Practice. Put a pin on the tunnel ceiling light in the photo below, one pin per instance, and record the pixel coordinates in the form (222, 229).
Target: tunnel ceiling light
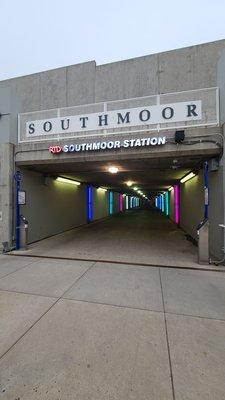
(170, 188)
(102, 189)
(65, 180)
(113, 170)
(187, 177)
(129, 183)
(135, 188)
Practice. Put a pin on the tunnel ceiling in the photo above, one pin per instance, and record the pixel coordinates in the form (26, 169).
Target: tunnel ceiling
(150, 175)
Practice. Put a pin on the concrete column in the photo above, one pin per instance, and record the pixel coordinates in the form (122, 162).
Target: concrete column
(6, 193)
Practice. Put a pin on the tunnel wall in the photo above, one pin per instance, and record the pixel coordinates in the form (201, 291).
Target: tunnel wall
(192, 209)
(216, 204)
(171, 205)
(100, 204)
(192, 204)
(52, 207)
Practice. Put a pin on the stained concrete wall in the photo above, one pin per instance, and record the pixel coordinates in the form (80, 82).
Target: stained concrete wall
(192, 208)
(52, 207)
(192, 204)
(216, 212)
(6, 193)
(172, 71)
(171, 205)
(100, 204)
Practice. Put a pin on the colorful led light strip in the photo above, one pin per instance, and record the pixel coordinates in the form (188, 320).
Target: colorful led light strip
(163, 205)
(89, 203)
(127, 202)
(110, 203)
(131, 204)
(167, 203)
(176, 204)
(121, 202)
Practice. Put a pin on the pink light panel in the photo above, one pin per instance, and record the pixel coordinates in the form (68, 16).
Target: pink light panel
(176, 203)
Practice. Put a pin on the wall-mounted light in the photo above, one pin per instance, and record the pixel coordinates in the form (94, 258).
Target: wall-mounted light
(102, 189)
(113, 170)
(66, 180)
(187, 177)
(170, 189)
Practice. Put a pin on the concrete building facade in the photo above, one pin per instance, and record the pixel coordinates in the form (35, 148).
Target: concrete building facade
(148, 98)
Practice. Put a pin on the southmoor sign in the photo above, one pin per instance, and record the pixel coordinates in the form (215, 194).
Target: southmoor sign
(130, 117)
(108, 145)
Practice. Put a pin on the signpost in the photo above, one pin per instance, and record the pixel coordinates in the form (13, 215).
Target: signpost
(18, 179)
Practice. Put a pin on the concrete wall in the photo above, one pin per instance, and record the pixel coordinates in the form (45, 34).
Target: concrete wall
(171, 205)
(53, 207)
(6, 193)
(216, 212)
(192, 208)
(177, 70)
(192, 204)
(100, 204)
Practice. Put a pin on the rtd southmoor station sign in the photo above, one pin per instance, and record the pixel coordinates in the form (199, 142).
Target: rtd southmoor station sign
(197, 108)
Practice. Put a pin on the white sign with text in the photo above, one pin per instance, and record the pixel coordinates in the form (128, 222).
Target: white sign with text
(141, 116)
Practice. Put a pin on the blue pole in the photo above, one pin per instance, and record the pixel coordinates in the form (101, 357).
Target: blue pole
(206, 189)
(17, 216)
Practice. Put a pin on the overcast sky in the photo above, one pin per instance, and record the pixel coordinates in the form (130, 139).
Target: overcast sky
(44, 34)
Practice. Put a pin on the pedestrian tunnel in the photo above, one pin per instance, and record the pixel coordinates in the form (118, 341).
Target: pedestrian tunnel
(143, 210)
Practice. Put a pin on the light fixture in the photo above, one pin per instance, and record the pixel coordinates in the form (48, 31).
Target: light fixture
(170, 188)
(66, 180)
(135, 188)
(187, 177)
(102, 189)
(129, 183)
(113, 170)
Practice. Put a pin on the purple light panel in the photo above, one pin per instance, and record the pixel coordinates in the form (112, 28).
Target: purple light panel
(121, 202)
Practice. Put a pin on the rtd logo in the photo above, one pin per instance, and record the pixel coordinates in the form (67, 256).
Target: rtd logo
(55, 149)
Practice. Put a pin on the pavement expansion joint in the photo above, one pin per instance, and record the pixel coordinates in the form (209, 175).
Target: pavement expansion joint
(167, 338)
(196, 268)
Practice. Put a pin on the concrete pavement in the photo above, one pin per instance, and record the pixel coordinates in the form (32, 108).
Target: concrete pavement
(83, 330)
(142, 237)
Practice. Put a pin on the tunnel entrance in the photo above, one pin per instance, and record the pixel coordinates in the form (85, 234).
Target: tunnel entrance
(84, 211)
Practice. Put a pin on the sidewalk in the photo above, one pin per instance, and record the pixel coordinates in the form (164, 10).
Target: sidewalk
(74, 330)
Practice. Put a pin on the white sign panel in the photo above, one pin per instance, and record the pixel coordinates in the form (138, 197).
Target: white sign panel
(141, 116)
(22, 197)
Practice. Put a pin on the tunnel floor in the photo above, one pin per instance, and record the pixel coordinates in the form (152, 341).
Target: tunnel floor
(141, 236)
